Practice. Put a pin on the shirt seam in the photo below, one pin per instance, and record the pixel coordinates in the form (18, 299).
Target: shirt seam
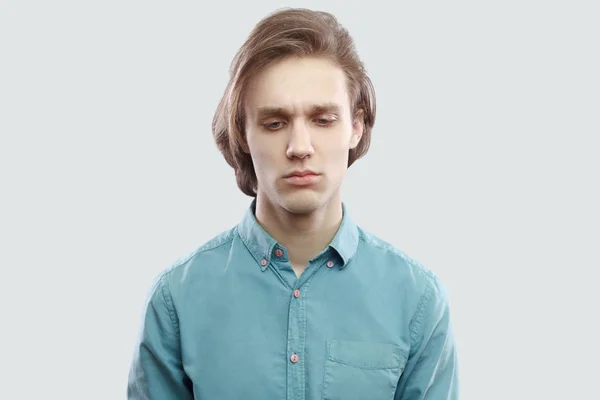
(201, 250)
(168, 302)
(416, 323)
(166, 293)
(389, 248)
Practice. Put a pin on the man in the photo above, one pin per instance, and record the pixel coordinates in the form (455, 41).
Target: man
(296, 301)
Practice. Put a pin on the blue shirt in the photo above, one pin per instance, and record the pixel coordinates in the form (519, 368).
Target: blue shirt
(233, 321)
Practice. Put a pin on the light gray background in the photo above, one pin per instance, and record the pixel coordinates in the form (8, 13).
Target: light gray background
(484, 167)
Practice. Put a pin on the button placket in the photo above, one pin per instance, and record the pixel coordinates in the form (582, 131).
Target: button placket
(296, 373)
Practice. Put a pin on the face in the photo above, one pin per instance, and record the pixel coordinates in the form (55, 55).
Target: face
(299, 122)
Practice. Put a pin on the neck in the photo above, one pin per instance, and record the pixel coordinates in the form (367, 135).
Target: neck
(303, 235)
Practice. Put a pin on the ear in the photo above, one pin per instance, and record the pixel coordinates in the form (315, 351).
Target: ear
(358, 126)
(244, 145)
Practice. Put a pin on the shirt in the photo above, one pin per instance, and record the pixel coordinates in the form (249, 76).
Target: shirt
(232, 321)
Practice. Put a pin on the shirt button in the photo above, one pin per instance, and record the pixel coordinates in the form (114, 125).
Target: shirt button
(278, 252)
(330, 264)
(297, 293)
(294, 358)
(263, 262)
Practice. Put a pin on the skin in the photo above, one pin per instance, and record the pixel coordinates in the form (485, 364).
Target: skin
(286, 132)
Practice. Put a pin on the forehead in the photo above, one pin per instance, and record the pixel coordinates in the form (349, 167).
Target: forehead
(297, 83)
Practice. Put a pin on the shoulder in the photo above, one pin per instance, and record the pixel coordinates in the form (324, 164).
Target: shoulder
(190, 263)
(420, 285)
(392, 257)
(403, 270)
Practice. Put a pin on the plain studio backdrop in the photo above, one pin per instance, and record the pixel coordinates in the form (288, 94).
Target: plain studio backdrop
(483, 166)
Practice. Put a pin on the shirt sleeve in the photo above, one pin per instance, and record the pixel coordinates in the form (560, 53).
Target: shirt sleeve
(431, 372)
(156, 370)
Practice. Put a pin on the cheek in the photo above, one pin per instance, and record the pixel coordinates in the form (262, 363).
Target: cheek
(336, 147)
(265, 159)
(336, 161)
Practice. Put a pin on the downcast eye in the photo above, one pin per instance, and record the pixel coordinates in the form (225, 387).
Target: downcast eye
(274, 125)
(324, 121)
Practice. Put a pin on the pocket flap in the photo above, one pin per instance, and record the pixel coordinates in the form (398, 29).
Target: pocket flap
(366, 355)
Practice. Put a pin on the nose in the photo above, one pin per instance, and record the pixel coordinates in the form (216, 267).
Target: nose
(300, 143)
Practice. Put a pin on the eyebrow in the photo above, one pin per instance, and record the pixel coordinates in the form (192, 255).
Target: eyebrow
(267, 111)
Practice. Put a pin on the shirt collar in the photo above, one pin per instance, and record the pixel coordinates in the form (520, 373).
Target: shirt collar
(261, 245)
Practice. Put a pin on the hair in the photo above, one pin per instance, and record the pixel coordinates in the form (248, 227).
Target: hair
(289, 32)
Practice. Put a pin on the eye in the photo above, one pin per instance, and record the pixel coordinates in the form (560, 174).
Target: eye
(273, 126)
(324, 121)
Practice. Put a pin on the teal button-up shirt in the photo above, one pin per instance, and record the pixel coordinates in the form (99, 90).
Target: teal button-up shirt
(233, 321)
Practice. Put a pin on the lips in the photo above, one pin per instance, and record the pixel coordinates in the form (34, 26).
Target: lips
(303, 178)
(301, 173)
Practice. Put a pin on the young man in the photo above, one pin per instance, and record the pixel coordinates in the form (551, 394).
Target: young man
(296, 301)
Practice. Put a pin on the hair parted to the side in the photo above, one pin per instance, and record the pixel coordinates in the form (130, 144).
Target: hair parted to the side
(289, 32)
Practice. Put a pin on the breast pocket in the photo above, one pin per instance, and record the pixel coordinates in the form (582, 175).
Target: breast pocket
(362, 370)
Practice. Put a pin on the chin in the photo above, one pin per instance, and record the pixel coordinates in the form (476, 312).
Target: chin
(304, 202)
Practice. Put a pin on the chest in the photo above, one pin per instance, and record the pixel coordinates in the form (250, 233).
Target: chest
(265, 339)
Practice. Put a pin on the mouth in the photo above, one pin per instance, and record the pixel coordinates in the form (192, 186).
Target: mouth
(303, 172)
(302, 178)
